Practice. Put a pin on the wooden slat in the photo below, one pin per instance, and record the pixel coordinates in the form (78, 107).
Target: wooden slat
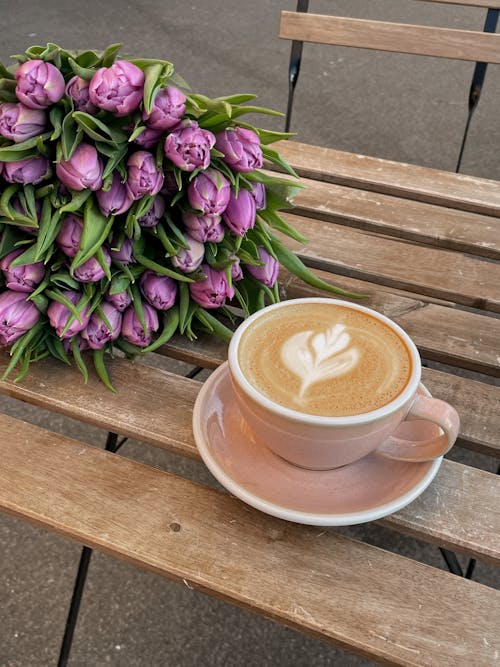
(434, 186)
(493, 4)
(359, 599)
(449, 275)
(393, 37)
(417, 221)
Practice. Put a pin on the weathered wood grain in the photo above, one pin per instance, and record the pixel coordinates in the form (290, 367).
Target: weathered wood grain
(470, 281)
(369, 601)
(444, 188)
(394, 37)
(413, 220)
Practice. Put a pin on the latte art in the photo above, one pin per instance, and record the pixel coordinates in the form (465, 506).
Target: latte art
(315, 357)
(324, 359)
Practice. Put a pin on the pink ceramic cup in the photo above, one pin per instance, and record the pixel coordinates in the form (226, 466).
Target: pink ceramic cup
(322, 443)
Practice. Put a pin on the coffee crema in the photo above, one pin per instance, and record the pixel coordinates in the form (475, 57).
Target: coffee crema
(324, 359)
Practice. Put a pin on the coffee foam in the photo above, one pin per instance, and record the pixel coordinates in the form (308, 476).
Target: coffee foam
(324, 359)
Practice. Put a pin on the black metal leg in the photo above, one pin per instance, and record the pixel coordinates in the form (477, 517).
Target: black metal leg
(451, 561)
(112, 445)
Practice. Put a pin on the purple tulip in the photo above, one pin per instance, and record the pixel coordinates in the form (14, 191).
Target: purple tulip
(239, 215)
(259, 194)
(21, 278)
(236, 272)
(97, 333)
(120, 300)
(155, 213)
(116, 200)
(203, 227)
(70, 234)
(59, 315)
(118, 88)
(39, 84)
(188, 260)
(213, 291)
(148, 137)
(168, 108)
(18, 122)
(241, 148)
(83, 170)
(78, 89)
(209, 192)
(123, 252)
(160, 291)
(143, 176)
(31, 170)
(189, 147)
(17, 316)
(132, 330)
(91, 271)
(267, 272)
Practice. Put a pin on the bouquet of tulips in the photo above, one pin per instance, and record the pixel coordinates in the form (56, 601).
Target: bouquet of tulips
(130, 208)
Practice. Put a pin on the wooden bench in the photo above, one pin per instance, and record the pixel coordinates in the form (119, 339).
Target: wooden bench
(424, 246)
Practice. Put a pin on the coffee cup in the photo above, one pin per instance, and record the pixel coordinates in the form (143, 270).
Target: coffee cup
(324, 382)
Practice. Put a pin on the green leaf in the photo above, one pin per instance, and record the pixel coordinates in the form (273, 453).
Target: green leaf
(96, 228)
(152, 85)
(55, 115)
(274, 157)
(100, 367)
(77, 355)
(21, 344)
(170, 323)
(71, 136)
(184, 301)
(83, 72)
(240, 110)
(267, 136)
(23, 150)
(139, 310)
(119, 283)
(165, 241)
(277, 222)
(56, 349)
(213, 324)
(291, 262)
(97, 130)
(29, 256)
(48, 229)
(109, 55)
(78, 199)
(162, 270)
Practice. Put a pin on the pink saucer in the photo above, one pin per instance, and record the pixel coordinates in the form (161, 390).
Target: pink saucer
(362, 491)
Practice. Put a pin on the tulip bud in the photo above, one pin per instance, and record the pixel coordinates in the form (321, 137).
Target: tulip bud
(97, 333)
(17, 316)
(267, 272)
(204, 227)
(18, 122)
(148, 137)
(132, 330)
(212, 291)
(241, 148)
(120, 301)
(118, 88)
(189, 147)
(209, 192)
(168, 108)
(70, 234)
(155, 213)
(123, 252)
(143, 176)
(116, 200)
(83, 170)
(91, 271)
(31, 170)
(188, 260)
(236, 272)
(21, 278)
(78, 89)
(259, 194)
(239, 215)
(160, 291)
(39, 84)
(59, 315)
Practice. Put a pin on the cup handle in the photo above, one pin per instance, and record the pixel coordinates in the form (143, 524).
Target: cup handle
(428, 409)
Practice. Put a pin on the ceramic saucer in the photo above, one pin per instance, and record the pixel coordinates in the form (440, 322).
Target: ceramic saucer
(362, 491)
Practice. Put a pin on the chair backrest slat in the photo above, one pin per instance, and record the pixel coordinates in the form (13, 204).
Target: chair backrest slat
(487, 4)
(395, 37)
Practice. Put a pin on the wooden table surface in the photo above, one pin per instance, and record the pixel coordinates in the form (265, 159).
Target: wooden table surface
(424, 245)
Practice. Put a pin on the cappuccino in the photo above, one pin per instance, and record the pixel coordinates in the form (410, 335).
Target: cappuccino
(324, 359)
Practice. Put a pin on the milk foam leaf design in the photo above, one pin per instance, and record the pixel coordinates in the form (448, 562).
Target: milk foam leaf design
(315, 357)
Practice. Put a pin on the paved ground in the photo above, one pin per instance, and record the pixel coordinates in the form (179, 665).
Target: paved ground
(380, 104)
